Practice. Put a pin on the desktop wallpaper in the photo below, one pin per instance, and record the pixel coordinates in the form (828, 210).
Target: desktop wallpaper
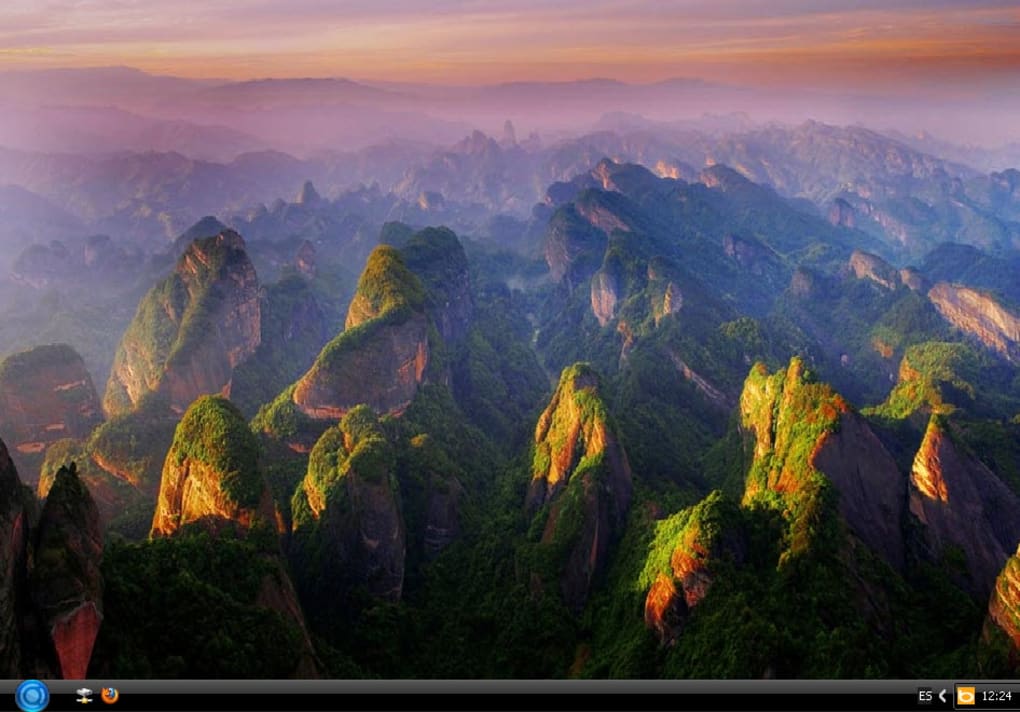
(464, 339)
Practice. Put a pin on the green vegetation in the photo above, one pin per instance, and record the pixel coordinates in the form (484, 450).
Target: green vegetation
(135, 444)
(214, 432)
(388, 284)
(282, 418)
(934, 376)
(186, 607)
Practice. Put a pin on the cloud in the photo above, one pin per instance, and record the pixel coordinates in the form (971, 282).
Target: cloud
(408, 39)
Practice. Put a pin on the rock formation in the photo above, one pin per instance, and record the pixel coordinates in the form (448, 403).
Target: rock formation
(191, 330)
(212, 479)
(382, 356)
(864, 265)
(211, 475)
(46, 395)
(67, 584)
(574, 248)
(804, 435)
(963, 506)
(580, 471)
(709, 533)
(979, 315)
(605, 294)
(348, 528)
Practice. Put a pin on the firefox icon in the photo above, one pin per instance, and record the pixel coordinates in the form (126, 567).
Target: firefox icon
(109, 695)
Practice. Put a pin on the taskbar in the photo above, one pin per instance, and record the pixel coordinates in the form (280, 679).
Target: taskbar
(508, 695)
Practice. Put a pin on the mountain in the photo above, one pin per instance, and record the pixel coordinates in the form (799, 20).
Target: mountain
(46, 395)
(66, 577)
(964, 506)
(214, 508)
(806, 440)
(382, 355)
(211, 476)
(980, 315)
(397, 322)
(191, 330)
(348, 528)
(581, 481)
(98, 130)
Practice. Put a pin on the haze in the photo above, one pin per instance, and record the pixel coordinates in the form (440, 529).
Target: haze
(943, 67)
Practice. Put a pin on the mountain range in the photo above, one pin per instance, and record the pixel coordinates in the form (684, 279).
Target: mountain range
(661, 400)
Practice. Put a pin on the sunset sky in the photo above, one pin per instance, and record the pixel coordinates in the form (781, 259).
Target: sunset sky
(879, 44)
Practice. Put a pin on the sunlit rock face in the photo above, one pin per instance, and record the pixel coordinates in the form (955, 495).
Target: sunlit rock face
(980, 315)
(580, 471)
(711, 535)
(803, 430)
(211, 476)
(381, 357)
(963, 506)
(191, 330)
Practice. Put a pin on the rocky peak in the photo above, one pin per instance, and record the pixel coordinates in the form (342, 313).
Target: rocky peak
(191, 330)
(308, 194)
(806, 436)
(381, 357)
(208, 226)
(864, 265)
(211, 475)
(962, 504)
(46, 394)
(67, 583)
(581, 472)
(348, 528)
(708, 533)
(981, 316)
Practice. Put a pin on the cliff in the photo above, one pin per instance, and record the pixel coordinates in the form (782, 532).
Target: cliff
(979, 315)
(211, 474)
(685, 555)
(348, 529)
(381, 357)
(864, 265)
(963, 506)
(13, 560)
(191, 330)
(67, 583)
(581, 476)
(46, 395)
(574, 247)
(807, 438)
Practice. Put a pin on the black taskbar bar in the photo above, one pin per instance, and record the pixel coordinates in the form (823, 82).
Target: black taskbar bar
(508, 695)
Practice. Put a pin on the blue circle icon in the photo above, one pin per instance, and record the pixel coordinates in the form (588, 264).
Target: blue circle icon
(32, 696)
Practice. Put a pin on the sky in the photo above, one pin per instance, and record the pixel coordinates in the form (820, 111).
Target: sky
(880, 45)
